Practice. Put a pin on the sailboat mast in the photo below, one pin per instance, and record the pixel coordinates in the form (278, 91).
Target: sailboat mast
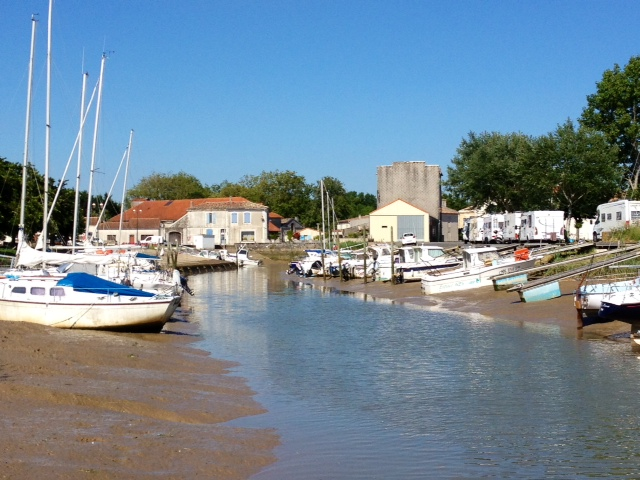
(124, 187)
(47, 154)
(27, 133)
(95, 144)
(76, 204)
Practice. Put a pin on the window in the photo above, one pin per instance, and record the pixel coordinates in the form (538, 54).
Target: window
(603, 217)
(248, 236)
(21, 290)
(247, 217)
(211, 218)
(37, 290)
(56, 292)
(234, 217)
(618, 215)
(608, 216)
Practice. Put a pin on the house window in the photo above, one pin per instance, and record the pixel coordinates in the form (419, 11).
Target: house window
(234, 217)
(211, 218)
(247, 217)
(247, 236)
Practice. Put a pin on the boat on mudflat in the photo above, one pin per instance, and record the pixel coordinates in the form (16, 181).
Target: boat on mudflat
(83, 301)
(479, 266)
(623, 306)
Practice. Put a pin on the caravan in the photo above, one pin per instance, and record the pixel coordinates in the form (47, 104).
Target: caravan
(615, 215)
(543, 225)
(493, 225)
(511, 231)
(472, 230)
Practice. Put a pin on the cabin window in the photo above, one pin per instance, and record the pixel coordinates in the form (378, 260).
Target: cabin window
(211, 218)
(435, 253)
(56, 292)
(635, 215)
(234, 217)
(248, 236)
(37, 291)
(247, 217)
(20, 290)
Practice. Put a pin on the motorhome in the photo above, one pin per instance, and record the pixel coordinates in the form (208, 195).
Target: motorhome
(473, 229)
(543, 225)
(493, 225)
(511, 230)
(613, 216)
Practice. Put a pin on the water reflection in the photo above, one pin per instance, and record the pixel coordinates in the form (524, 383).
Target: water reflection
(372, 390)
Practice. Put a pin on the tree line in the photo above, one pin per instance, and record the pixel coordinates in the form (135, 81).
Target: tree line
(574, 168)
(285, 193)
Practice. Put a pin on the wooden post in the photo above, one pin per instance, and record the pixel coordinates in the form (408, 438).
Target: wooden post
(393, 273)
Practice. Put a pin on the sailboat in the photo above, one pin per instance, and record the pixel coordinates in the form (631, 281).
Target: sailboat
(77, 300)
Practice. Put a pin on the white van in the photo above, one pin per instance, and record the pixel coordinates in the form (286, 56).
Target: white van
(152, 240)
(544, 225)
(615, 215)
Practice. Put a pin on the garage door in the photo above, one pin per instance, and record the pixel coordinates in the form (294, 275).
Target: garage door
(411, 224)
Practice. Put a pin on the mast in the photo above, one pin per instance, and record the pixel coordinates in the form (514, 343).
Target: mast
(124, 188)
(47, 154)
(95, 143)
(76, 205)
(27, 133)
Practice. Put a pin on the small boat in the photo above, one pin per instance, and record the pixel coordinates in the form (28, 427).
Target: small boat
(411, 263)
(242, 258)
(479, 266)
(588, 297)
(623, 306)
(83, 301)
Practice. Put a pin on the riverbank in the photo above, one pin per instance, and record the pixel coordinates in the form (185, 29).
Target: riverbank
(559, 312)
(80, 404)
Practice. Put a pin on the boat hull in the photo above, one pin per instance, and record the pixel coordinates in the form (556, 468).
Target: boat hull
(466, 279)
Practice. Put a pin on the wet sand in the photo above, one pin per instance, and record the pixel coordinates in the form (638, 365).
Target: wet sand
(82, 404)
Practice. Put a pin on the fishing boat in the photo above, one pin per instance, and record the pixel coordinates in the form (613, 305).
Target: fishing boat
(411, 263)
(588, 297)
(479, 266)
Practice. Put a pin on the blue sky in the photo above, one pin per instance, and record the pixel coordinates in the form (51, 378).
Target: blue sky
(223, 89)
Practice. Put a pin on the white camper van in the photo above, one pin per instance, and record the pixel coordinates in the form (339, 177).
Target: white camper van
(472, 230)
(543, 225)
(511, 231)
(615, 215)
(492, 228)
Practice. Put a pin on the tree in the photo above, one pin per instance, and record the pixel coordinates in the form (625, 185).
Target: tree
(163, 186)
(614, 110)
(488, 171)
(580, 169)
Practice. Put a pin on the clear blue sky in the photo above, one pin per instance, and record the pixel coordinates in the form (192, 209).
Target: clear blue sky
(223, 89)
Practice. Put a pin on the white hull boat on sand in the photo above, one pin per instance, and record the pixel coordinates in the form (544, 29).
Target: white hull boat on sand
(479, 266)
(83, 301)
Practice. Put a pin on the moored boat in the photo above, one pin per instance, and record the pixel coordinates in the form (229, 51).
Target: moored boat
(479, 266)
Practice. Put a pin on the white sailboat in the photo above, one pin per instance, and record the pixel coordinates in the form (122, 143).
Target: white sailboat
(76, 300)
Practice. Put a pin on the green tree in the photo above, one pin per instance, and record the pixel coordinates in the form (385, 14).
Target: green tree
(489, 171)
(614, 110)
(580, 169)
(163, 186)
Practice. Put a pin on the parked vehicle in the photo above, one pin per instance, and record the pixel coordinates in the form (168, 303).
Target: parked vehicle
(511, 230)
(409, 239)
(152, 240)
(615, 215)
(472, 231)
(493, 225)
(543, 225)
